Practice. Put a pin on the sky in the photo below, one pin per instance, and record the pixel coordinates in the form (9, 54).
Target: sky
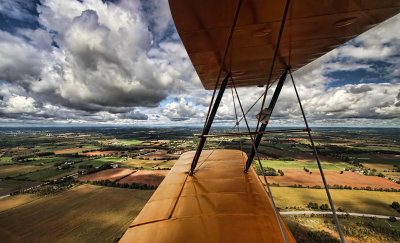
(121, 62)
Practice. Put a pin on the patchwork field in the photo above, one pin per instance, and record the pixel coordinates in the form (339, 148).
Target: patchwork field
(149, 177)
(292, 176)
(356, 201)
(110, 174)
(84, 214)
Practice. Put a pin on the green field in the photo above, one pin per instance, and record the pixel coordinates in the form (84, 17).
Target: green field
(15, 170)
(147, 164)
(122, 141)
(84, 214)
(130, 142)
(373, 159)
(46, 174)
(5, 160)
(355, 201)
(98, 162)
(8, 186)
(279, 164)
(378, 148)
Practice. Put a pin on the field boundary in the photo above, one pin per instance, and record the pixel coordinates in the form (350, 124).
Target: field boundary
(366, 215)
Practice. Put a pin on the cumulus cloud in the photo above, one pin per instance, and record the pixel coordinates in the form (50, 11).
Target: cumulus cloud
(96, 56)
(121, 62)
(182, 110)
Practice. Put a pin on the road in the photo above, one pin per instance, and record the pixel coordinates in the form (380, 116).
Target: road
(338, 213)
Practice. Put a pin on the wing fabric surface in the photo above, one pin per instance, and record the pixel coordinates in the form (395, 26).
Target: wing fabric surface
(312, 28)
(219, 203)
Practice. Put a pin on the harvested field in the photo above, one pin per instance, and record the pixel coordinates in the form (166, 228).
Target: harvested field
(379, 167)
(149, 177)
(392, 175)
(348, 178)
(84, 214)
(110, 174)
(97, 153)
(15, 201)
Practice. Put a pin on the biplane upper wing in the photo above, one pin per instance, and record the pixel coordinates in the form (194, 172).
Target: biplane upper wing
(312, 28)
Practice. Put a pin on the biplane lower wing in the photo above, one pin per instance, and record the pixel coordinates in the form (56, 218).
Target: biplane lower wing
(219, 203)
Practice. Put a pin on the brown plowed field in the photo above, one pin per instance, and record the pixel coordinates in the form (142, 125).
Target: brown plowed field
(295, 176)
(149, 177)
(64, 151)
(110, 174)
(96, 153)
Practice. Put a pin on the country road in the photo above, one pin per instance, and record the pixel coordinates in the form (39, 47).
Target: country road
(338, 213)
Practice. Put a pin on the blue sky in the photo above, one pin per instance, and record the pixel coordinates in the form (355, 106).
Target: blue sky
(94, 62)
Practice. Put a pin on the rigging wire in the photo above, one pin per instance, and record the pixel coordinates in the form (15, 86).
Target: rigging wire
(223, 59)
(237, 122)
(261, 167)
(319, 163)
(274, 58)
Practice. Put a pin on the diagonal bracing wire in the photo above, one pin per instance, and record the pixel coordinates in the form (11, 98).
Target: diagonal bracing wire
(319, 163)
(261, 167)
(274, 57)
(228, 42)
(237, 121)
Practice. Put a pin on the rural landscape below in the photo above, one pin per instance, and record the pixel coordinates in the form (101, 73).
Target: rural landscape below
(88, 184)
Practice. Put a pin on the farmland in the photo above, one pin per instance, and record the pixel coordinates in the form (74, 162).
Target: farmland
(78, 173)
(346, 178)
(359, 201)
(75, 215)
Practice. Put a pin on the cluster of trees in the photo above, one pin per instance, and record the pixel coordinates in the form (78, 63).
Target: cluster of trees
(268, 171)
(307, 170)
(396, 206)
(314, 205)
(335, 186)
(124, 185)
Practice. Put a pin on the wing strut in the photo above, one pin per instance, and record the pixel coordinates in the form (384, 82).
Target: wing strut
(210, 120)
(265, 123)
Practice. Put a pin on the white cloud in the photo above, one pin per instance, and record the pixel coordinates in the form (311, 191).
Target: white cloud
(182, 110)
(114, 62)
